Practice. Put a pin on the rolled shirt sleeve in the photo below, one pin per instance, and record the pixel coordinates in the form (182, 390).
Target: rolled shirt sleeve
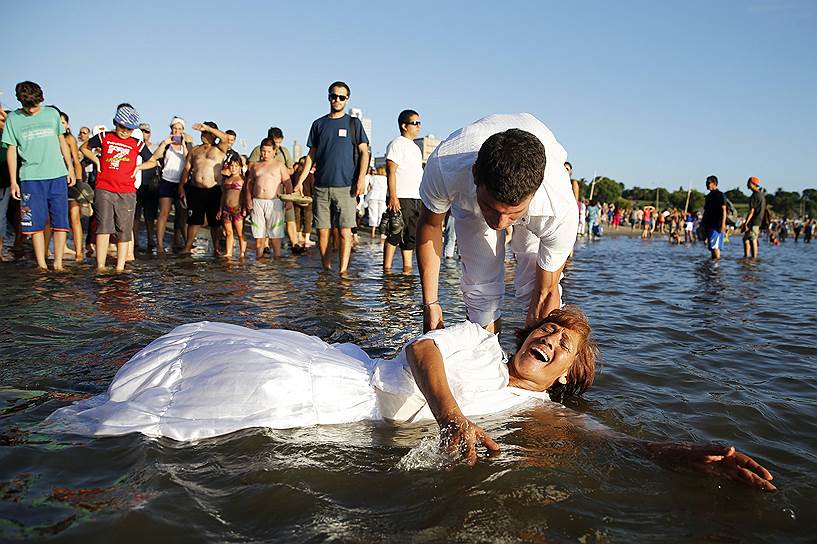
(557, 236)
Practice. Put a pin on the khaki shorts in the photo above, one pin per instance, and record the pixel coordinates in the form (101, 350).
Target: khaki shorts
(337, 202)
(114, 213)
(752, 234)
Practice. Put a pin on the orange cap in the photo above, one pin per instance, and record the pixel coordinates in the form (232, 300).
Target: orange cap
(754, 181)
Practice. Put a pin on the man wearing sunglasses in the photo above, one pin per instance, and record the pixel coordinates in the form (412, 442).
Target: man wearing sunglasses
(404, 169)
(500, 171)
(338, 147)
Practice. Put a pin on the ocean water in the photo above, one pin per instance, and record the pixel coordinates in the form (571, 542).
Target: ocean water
(693, 350)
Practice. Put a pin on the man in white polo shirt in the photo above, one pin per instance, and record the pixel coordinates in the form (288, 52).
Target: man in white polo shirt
(404, 172)
(499, 171)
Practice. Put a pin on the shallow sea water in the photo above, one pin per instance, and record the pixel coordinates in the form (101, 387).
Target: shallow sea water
(693, 350)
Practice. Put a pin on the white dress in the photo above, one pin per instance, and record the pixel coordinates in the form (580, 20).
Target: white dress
(207, 379)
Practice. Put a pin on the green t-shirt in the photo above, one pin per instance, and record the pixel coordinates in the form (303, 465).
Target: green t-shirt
(38, 144)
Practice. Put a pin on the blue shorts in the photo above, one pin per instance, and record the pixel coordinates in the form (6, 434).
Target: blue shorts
(42, 199)
(714, 239)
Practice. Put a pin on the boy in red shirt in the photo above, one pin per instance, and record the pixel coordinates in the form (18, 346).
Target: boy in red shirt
(115, 193)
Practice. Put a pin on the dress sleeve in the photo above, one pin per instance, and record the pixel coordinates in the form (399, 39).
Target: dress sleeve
(463, 336)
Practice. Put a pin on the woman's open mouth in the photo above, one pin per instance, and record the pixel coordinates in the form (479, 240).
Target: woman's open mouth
(539, 354)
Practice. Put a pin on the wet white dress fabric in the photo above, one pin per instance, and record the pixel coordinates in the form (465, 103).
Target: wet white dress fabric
(207, 379)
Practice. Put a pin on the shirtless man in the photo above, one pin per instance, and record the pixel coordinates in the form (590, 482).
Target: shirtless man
(266, 180)
(203, 189)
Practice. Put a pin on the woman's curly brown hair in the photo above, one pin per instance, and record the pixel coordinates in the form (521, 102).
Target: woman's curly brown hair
(583, 370)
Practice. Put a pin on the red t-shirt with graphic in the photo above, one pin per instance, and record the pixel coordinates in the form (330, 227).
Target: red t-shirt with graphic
(117, 161)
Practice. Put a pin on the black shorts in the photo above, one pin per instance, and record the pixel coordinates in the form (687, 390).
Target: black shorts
(203, 203)
(407, 239)
(147, 203)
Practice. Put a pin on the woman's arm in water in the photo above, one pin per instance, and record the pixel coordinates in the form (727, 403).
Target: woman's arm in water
(459, 434)
(714, 460)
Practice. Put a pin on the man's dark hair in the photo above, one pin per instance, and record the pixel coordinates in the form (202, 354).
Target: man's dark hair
(712, 179)
(267, 142)
(340, 84)
(211, 124)
(29, 93)
(275, 132)
(567, 163)
(124, 105)
(231, 132)
(405, 117)
(511, 165)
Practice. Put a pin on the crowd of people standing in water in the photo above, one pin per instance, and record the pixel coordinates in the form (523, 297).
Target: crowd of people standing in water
(498, 172)
(713, 225)
(104, 184)
(212, 185)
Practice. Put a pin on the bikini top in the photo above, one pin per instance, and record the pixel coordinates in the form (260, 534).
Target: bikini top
(234, 185)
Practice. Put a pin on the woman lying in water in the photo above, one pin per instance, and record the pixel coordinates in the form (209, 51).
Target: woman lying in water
(207, 379)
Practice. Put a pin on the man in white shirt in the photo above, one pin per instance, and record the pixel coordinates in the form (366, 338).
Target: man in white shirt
(499, 171)
(404, 171)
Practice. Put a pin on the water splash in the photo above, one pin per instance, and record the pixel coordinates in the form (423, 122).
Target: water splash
(427, 455)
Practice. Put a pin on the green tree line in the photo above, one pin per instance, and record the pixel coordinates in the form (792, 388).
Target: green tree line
(783, 203)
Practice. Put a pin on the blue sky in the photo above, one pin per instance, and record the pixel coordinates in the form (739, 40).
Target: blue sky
(647, 93)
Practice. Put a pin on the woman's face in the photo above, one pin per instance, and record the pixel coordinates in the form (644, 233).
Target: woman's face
(547, 354)
(176, 130)
(65, 125)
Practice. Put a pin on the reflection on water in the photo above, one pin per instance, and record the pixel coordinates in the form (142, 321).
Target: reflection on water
(693, 349)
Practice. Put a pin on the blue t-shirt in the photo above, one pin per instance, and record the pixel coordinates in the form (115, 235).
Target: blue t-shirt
(334, 149)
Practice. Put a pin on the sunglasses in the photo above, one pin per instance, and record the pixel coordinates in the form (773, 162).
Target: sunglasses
(342, 98)
(413, 123)
(143, 130)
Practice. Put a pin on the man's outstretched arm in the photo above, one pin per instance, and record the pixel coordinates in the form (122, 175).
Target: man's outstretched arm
(545, 297)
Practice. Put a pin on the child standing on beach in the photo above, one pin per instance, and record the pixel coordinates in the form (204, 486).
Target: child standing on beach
(115, 193)
(267, 179)
(34, 136)
(232, 214)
